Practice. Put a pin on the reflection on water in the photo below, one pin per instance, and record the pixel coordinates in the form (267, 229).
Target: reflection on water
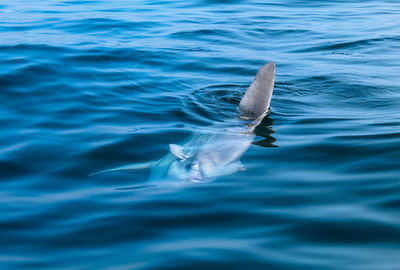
(264, 130)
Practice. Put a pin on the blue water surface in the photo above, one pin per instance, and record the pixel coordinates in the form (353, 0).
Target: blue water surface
(91, 85)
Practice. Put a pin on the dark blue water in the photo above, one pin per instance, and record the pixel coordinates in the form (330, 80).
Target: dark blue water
(92, 85)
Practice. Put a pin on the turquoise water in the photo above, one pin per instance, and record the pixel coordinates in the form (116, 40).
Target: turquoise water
(92, 85)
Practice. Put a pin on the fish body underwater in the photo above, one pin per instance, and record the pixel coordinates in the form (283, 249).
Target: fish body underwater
(215, 151)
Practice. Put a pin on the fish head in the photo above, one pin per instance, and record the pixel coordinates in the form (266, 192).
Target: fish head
(187, 169)
(184, 166)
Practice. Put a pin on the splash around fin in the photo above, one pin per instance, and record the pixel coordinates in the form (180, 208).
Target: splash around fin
(255, 102)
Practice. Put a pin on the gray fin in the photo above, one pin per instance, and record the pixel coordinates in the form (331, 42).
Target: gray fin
(135, 166)
(256, 100)
(177, 151)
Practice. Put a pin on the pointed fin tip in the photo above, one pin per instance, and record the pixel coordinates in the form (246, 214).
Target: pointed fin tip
(268, 67)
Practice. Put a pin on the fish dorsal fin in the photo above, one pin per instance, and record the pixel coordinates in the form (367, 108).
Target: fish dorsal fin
(257, 98)
(177, 151)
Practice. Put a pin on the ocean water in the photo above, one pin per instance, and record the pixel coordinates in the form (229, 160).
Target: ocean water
(92, 85)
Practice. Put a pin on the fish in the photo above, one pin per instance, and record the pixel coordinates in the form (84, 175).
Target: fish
(216, 150)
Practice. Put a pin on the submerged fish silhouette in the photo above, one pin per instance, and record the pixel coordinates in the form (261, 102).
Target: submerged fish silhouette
(215, 152)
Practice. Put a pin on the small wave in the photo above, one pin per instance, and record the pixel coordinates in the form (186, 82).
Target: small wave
(201, 32)
(34, 48)
(93, 25)
(349, 44)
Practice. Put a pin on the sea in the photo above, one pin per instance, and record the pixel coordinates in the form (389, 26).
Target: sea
(90, 85)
